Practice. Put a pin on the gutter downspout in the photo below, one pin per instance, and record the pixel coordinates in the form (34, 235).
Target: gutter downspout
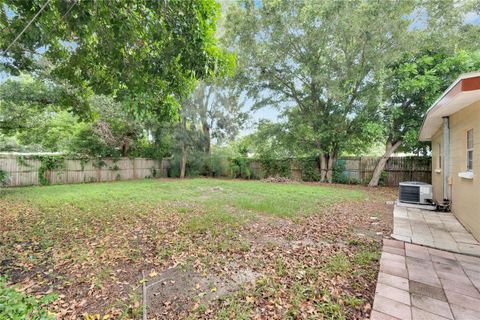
(446, 158)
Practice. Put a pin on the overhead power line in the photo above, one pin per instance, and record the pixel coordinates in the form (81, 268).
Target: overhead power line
(67, 12)
(26, 27)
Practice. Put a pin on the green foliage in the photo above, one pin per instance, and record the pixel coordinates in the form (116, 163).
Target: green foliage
(412, 85)
(22, 161)
(86, 143)
(294, 56)
(3, 177)
(383, 178)
(217, 165)
(28, 103)
(156, 50)
(239, 168)
(99, 163)
(309, 168)
(271, 141)
(276, 167)
(32, 113)
(154, 172)
(173, 170)
(16, 305)
(217, 108)
(48, 163)
(339, 172)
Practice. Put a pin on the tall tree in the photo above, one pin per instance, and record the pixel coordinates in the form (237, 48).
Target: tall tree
(213, 111)
(412, 84)
(218, 105)
(317, 60)
(114, 125)
(187, 135)
(147, 53)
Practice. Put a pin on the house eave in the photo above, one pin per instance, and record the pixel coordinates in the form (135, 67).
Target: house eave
(462, 92)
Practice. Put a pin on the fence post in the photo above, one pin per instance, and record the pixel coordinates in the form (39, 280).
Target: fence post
(360, 170)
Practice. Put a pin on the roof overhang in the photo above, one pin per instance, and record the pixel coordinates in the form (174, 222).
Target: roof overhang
(463, 92)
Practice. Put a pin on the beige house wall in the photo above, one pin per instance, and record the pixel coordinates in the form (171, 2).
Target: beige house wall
(437, 172)
(465, 193)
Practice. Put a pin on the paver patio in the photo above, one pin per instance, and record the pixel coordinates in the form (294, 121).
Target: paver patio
(416, 282)
(440, 230)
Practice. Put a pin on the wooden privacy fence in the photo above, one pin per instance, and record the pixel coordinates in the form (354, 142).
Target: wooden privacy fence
(397, 169)
(360, 169)
(30, 170)
(27, 170)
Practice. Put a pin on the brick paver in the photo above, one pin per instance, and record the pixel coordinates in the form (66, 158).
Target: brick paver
(416, 282)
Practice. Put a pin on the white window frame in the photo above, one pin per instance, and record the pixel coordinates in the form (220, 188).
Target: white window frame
(469, 152)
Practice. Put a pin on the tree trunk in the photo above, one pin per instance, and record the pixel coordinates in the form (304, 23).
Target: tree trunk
(323, 167)
(183, 162)
(332, 159)
(389, 150)
(125, 147)
(327, 162)
(206, 132)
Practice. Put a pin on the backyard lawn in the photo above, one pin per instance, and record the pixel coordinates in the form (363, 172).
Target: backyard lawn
(223, 249)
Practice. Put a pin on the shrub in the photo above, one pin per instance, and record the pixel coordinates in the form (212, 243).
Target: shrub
(239, 168)
(276, 167)
(3, 177)
(383, 178)
(16, 305)
(217, 166)
(309, 168)
(173, 170)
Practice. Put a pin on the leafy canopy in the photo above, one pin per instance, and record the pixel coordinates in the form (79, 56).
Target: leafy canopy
(412, 85)
(148, 53)
(316, 60)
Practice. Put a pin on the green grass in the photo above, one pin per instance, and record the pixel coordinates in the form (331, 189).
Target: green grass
(282, 200)
(94, 227)
(207, 203)
(75, 213)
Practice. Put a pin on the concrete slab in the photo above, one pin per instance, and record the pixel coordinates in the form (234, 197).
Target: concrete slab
(439, 230)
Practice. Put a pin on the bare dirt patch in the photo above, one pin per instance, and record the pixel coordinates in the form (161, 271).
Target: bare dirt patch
(177, 290)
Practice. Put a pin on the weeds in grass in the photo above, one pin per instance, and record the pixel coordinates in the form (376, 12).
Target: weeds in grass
(330, 309)
(338, 263)
(280, 267)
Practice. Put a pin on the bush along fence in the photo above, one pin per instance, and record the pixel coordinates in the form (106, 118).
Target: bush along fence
(351, 170)
(23, 170)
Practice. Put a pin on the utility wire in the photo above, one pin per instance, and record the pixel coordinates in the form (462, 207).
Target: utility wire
(63, 17)
(73, 5)
(29, 23)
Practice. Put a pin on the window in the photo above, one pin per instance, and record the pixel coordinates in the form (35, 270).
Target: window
(470, 150)
(439, 159)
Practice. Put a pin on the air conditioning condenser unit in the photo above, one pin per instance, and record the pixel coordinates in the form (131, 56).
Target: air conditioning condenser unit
(416, 192)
